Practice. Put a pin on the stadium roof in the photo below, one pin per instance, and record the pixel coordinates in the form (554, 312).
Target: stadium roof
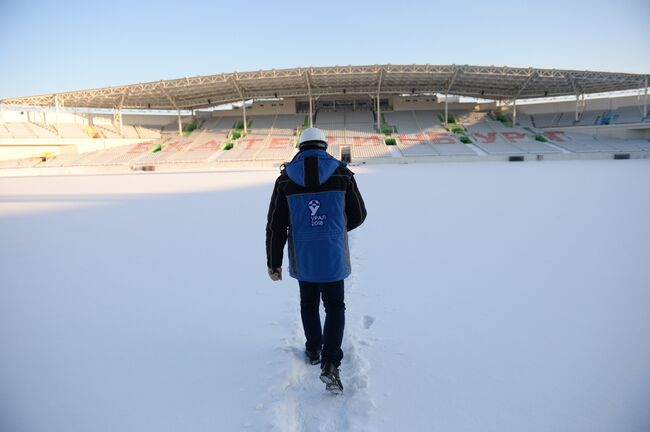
(487, 82)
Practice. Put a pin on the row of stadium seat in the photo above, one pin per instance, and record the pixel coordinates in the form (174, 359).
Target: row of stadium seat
(492, 137)
(419, 133)
(355, 129)
(621, 115)
(73, 130)
(583, 143)
(26, 130)
(270, 137)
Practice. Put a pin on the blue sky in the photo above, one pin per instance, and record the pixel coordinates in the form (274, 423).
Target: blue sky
(55, 46)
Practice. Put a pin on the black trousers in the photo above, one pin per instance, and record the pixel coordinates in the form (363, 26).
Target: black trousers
(330, 336)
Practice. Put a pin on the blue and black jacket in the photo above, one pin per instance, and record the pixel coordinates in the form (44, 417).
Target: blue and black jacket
(314, 204)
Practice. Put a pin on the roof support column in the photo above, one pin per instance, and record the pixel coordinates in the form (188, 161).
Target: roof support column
(379, 80)
(117, 115)
(579, 94)
(311, 102)
(378, 114)
(178, 110)
(243, 105)
(56, 108)
(580, 102)
(452, 79)
(446, 110)
(44, 118)
(243, 101)
(532, 76)
(117, 119)
(173, 102)
(645, 99)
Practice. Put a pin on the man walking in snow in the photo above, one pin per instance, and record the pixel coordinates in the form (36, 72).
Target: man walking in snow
(315, 203)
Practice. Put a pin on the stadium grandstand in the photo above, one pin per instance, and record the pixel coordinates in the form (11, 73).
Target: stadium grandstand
(370, 114)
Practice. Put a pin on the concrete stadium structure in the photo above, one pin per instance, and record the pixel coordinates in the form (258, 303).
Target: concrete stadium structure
(514, 114)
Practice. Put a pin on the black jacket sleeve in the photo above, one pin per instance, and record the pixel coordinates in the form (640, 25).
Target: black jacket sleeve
(355, 209)
(276, 225)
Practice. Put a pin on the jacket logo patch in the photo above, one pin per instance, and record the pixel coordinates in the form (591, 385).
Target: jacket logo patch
(313, 205)
(316, 220)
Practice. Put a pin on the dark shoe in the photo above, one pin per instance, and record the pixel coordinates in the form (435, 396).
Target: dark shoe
(313, 357)
(330, 376)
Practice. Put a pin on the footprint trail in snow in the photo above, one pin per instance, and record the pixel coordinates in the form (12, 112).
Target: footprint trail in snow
(298, 399)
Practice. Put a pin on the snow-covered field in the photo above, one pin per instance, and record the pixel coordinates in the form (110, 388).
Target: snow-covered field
(484, 297)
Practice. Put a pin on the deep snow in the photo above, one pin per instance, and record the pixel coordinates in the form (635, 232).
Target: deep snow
(484, 297)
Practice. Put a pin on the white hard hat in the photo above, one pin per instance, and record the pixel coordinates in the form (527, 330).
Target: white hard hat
(313, 136)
